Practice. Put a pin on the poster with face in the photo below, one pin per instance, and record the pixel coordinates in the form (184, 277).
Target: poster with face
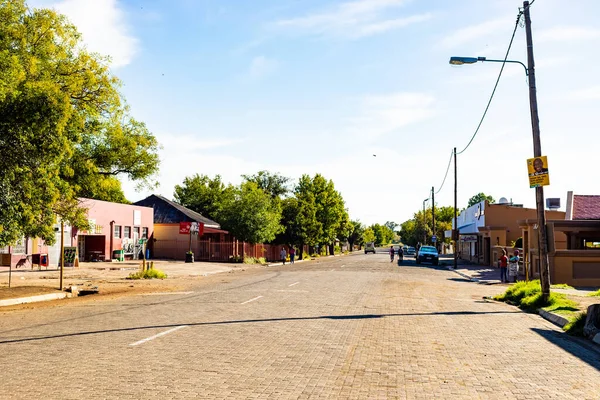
(537, 169)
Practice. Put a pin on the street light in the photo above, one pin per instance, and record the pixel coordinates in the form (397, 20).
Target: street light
(424, 222)
(537, 147)
(473, 60)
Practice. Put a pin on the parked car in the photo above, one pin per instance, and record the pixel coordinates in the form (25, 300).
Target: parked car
(409, 251)
(370, 247)
(428, 254)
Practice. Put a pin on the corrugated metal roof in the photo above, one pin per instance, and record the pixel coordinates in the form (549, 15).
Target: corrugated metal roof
(169, 212)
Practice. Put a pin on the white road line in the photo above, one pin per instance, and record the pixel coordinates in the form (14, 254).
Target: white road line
(293, 284)
(256, 298)
(162, 293)
(157, 335)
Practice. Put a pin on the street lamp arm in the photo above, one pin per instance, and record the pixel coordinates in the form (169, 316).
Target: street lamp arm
(473, 60)
(508, 61)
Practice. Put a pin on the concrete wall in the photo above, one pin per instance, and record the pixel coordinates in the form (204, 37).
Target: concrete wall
(576, 268)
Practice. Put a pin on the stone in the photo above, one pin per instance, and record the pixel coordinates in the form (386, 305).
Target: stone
(592, 322)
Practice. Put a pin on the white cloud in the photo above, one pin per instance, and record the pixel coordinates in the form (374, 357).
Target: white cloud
(473, 33)
(587, 94)
(102, 24)
(386, 113)
(567, 33)
(353, 19)
(261, 66)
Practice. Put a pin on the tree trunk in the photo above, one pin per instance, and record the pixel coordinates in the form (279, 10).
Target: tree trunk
(331, 249)
(301, 252)
(592, 322)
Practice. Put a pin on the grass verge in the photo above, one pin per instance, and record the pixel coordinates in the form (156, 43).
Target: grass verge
(528, 296)
(151, 273)
(596, 293)
(561, 286)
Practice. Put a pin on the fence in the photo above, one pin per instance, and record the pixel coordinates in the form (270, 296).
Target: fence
(207, 250)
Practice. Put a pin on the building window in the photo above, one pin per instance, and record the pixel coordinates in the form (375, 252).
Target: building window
(136, 232)
(127, 232)
(117, 233)
(144, 233)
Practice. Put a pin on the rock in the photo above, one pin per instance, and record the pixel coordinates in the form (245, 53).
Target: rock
(592, 322)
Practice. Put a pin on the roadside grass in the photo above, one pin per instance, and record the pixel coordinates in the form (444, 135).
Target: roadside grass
(561, 286)
(528, 296)
(596, 293)
(576, 325)
(254, 260)
(151, 273)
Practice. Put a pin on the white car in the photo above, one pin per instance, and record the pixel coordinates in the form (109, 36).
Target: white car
(370, 247)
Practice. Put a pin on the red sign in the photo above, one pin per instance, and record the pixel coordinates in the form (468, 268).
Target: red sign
(195, 228)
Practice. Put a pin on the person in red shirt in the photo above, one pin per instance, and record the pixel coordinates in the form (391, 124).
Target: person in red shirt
(503, 267)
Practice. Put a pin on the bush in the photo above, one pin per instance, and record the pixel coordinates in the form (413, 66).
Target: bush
(254, 260)
(596, 293)
(305, 256)
(151, 273)
(520, 290)
(315, 255)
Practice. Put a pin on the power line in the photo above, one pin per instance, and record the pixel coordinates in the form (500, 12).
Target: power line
(496, 85)
(447, 169)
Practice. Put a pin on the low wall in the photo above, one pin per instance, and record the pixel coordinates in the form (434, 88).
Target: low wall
(576, 267)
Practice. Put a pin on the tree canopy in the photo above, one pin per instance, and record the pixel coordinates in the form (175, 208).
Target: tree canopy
(65, 130)
(479, 197)
(205, 195)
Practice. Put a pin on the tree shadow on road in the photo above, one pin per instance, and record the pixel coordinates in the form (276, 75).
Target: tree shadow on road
(250, 321)
(578, 347)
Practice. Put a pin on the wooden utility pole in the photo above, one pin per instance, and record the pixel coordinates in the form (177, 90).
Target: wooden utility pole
(62, 253)
(433, 216)
(455, 230)
(537, 152)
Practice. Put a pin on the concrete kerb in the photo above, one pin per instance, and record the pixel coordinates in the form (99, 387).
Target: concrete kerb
(466, 276)
(33, 299)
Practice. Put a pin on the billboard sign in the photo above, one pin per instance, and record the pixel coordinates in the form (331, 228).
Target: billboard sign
(537, 168)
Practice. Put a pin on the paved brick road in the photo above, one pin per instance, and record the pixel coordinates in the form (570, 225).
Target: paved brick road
(353, 327)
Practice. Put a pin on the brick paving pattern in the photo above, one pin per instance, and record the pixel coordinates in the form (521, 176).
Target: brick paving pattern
(356, 327)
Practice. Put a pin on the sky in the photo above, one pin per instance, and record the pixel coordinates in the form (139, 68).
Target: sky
(360, 91)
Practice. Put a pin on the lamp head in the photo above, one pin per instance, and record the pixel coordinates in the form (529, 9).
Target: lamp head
(465, 60)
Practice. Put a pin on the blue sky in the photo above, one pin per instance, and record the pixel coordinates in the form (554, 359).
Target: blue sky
(234, 87)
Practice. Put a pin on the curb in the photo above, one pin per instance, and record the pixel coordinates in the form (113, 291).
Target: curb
(554, 318)
(33, 299)
(463, 275)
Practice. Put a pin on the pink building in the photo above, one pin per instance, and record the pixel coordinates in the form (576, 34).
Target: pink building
(113, 226)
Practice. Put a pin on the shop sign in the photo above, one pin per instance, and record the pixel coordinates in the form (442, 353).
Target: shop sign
(468, 238)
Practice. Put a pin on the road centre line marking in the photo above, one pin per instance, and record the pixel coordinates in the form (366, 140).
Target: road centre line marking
(256, 298)
(162, 293)
(158, 335)
(293, 284)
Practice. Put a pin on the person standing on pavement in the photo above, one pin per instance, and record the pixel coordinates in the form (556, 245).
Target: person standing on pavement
(503, 267)
(513, 266)
(283, 255)
(292, 254)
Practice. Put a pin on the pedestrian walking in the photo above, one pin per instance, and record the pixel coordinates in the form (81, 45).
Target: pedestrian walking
(283, 255)
(513, 266)
(292, 254)
(503, 267)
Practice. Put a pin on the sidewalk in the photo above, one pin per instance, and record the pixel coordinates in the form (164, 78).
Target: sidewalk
(31, 285)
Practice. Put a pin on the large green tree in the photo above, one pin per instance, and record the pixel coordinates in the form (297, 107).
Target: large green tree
(205, 195)
(356, 234)
(273, 183)
(65, 131)
(252, 215)
(479, 197)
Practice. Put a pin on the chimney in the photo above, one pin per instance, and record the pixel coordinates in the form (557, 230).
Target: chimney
(569, 213)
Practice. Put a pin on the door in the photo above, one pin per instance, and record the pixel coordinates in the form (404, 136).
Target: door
(486, 251)
(81, 247)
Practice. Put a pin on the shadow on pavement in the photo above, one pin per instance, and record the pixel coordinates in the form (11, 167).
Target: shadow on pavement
(577, 347)
(249, 321)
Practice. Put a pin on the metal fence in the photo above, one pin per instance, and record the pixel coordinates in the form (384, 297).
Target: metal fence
(206, 250)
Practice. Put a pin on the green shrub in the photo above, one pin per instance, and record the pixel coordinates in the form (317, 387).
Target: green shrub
(520, 290)
(305, 256)
(254, 260)
(596, 293)
(262, 260)
(151, 273)
(315, 255)
(575, 326)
